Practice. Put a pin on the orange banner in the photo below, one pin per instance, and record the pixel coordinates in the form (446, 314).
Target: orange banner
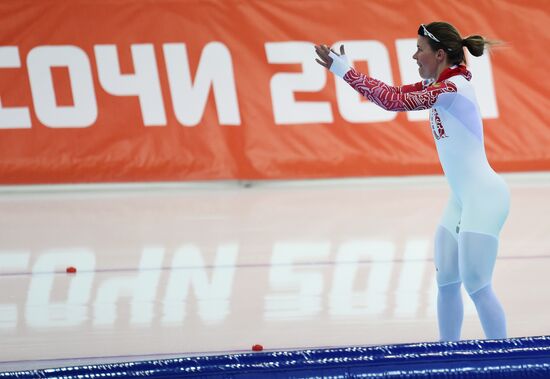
(117, 91)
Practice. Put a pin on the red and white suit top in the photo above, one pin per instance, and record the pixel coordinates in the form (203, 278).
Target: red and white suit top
(480, 198)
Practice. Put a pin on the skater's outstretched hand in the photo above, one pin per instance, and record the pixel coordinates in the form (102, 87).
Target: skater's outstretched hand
(323, 52)
(331, 60)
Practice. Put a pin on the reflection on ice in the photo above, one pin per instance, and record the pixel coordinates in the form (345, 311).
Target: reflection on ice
(301, 281)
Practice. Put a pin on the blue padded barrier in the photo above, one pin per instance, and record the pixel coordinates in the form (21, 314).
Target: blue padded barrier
(526, 357)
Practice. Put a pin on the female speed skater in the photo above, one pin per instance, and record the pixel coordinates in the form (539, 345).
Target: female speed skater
(466, 240)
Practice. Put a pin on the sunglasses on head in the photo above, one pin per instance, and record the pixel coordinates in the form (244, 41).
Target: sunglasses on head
(423, 31)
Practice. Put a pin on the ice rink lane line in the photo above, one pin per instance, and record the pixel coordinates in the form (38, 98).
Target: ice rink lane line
(252, 265)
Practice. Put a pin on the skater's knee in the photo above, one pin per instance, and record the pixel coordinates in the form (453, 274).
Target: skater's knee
(475, 279)
(447, 277)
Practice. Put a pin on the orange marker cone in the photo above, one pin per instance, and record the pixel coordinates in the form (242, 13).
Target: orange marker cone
(257, 347)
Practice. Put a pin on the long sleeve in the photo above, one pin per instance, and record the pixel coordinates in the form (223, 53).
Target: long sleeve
(406, 98)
